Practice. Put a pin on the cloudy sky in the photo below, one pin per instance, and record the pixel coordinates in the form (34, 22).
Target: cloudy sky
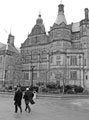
(19, 16)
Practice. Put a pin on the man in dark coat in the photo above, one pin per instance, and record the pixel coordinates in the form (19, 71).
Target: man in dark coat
(18, 98)
(28, 97)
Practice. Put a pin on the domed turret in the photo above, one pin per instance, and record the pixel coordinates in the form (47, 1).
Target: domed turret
(39, 20)
(38, 27)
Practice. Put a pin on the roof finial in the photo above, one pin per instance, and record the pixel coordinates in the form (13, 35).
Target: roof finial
(28, 34)
(10, 31)
(60, 1)
(39, 13)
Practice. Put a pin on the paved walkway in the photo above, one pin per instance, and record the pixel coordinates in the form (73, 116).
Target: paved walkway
(46, 108)
(63, 95)
(42, 95)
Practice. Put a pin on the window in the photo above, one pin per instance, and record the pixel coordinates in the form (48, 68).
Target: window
(27, 59)
(58, 63)
(86, 77)
(51, 59)
(85, 62)
(58, 60)
(0, 59)
(73, 75)
(51, 73)
(36, 31)
(43, 57)
(22, 51)
(73, 60)
(58, 57)
(26, 76)
(34, 76)
(34, 57)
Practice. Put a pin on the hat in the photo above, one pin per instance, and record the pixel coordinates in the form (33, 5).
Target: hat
(27, 88)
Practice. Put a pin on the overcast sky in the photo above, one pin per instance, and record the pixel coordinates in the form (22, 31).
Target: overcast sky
(19, 16)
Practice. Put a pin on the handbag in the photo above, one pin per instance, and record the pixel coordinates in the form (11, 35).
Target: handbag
(32, 101)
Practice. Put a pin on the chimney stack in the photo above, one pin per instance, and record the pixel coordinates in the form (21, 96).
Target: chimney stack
(86, 13)
(11, 39)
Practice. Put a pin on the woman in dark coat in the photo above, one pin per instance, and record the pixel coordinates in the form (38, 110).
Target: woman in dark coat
(18, 98)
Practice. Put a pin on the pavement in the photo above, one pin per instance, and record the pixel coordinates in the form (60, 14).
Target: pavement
(46, 108)
(63, 95)
(42, 95)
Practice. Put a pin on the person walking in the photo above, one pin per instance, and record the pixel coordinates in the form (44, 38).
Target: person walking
(18, 98)
(34, 97)
(28, 97)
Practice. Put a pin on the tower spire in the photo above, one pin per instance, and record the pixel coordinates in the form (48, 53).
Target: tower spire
(39, 13)
(10, 30)
(60, 1)
(60, 17)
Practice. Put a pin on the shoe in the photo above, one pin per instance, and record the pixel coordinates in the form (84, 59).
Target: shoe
(15, 111)
(29, 111)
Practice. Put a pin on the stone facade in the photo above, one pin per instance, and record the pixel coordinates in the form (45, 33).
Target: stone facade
(8, 67)
(61, 56)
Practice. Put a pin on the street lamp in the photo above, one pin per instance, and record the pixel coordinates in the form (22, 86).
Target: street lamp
(68, 67)
(32, 69)
(64, 72)
(83, 72)
(80, 68)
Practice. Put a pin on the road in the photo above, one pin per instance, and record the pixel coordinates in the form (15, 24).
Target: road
(46, 109)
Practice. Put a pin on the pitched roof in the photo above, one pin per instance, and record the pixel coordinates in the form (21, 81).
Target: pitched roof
(76, 27)
(1, 45)
(8, 47)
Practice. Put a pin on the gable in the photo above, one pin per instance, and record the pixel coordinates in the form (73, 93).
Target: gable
(62, 25)
(38, 29)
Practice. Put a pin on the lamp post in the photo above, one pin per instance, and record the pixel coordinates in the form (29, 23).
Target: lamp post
(68, 67)
(64, 72)
(32, 69)
(80, 68)
(83, 73)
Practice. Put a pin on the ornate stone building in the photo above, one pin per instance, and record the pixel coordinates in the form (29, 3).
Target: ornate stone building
(8, 55)
(60, 56)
